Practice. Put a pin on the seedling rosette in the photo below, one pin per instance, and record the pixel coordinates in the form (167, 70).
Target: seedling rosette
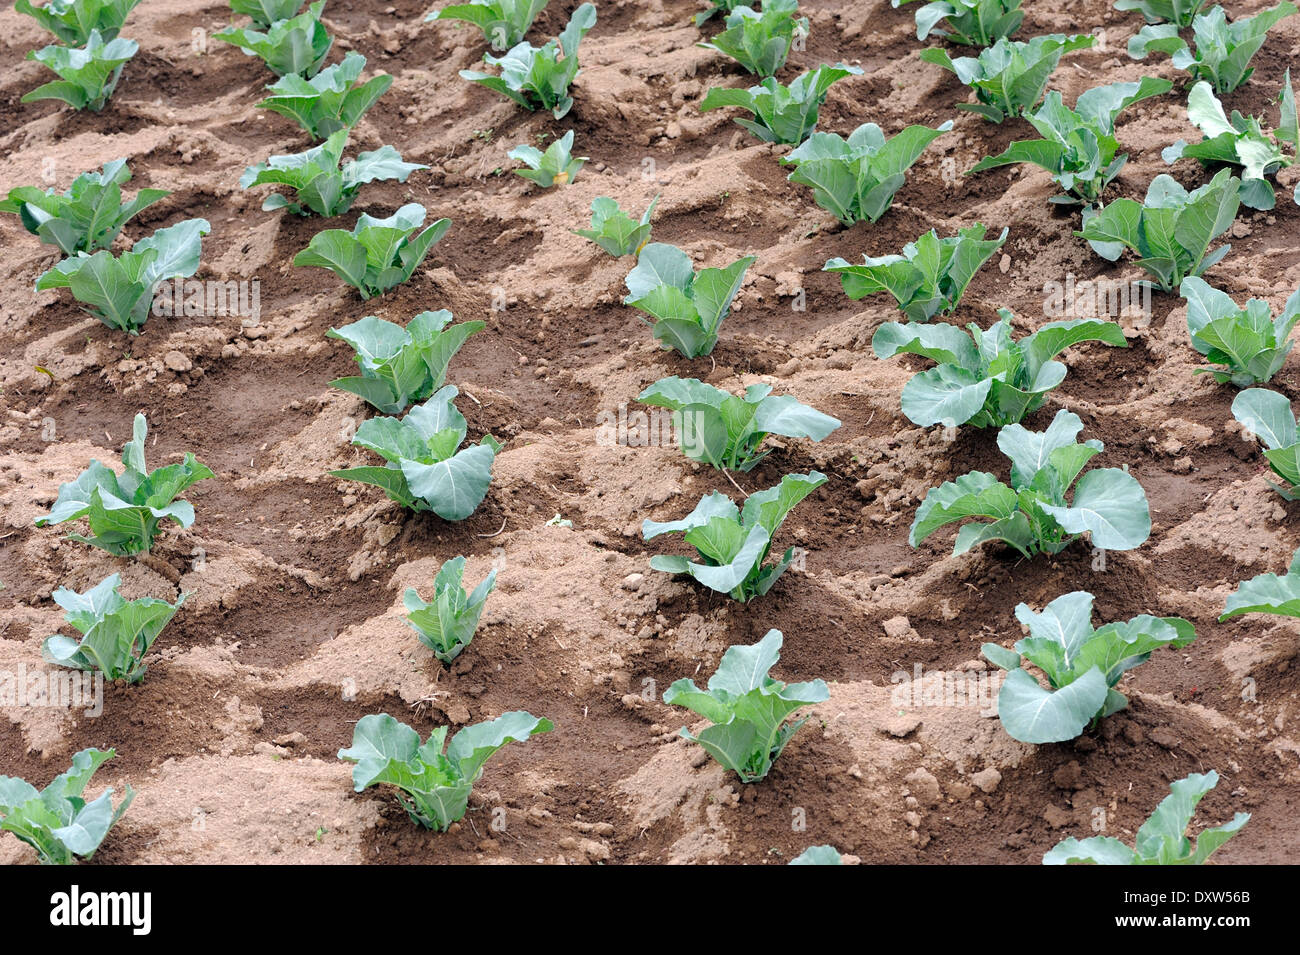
(1241, 142)
(687, 308)
(733, 543)
(88, 75)
(1082, 666)
(1267, 415)
(748, 708)
(329, 101)
(1033, 514)
(57, 821)
(760, 41)
(1249, 340)
(72, 21)
(377, 254)
(984, 378)
(726, 430)
(614, 230)
(118, 290)
(320, 184)
(88, 216)
(928, 278)
(116, 633)
(557, 166)
(124, 511)
(433, 786)
(298, 45)
(400, 366)
(782, 114)
(426, 468)
(1162, 840)
(1222, 51)
(856, 179)
(446, 625)
(539, 77)
(1009, 77)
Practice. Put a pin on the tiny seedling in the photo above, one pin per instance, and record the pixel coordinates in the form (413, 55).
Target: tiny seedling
(1248, 340)
(88, 216)
(124, 510)
(425, 468)
(433, 786)
(557, 166)
(747, 708)
(1033, 514)
(928, 278)
(735, 543)
(1082, 666)
(1162, 840)
(57, 822)
(724, 430)
(614, 230)
(687, 307)
(447, 624)
(116, 633)
(984, 378)
(400, 366)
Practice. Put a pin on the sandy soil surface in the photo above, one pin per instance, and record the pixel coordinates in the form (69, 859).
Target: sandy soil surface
(294, 630)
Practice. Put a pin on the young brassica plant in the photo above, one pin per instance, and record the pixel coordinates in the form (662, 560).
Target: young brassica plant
(88, 216)
(503, 22)
(298, 45)
(329, 101)
(613, 229)
(124, 510)
(447, 624)
(1248, 340)
(1178, 12)
(1268, 593)
(1171, 231)
(735, 543)
(983, 378)
(72, 21)
(1009, 77)
(1033, 514)
(1162, 839)
(1240, 142)
(1078, 147)
(557, 166)
(725, 430)
(928, 278)
(400, 366)
(264, 13)
(687, 308)
(748, 708)
(425, 468)
(1223, 50)
(818, 855)
(320, 184)
(88, 75)
(760, 42)
(856, 179)
(539, 77)
(969, 22)
(782, 114)
(377, 254)
(1082, 666)
(1267, 415)
(118, 290)
(56, 821)
(436, 784)
(116, 633)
